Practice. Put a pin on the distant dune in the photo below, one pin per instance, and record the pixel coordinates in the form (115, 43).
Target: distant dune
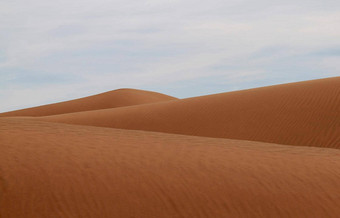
(112, 99)
(303, 113)
(58, 170)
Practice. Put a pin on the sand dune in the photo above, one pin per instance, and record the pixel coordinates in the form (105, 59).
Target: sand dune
(59, 170)
(51, 169)
(304, 113)
(112, 99)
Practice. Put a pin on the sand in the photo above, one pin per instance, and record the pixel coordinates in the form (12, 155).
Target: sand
(264, 152)
(111, 99)
(304, 113)
(59, 170)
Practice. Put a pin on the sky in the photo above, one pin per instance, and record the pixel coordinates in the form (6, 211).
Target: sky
(52, 51)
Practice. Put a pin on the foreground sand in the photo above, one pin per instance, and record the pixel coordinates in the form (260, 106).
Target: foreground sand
(59, 170)
(304, 113)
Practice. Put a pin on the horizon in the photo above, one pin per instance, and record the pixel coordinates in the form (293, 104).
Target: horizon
(58, 51)
(249, 88)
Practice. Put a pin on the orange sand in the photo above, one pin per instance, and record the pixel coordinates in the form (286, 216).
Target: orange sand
(304, 113)
(59, 170)
(246, 167)
(112, 99)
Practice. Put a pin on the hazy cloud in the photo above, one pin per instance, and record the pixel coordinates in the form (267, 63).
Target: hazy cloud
(68, 49)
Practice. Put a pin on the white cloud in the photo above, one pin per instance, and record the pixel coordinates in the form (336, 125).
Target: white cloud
(116, 43)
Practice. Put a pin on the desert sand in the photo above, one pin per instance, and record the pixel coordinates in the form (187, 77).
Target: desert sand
(112, 99)
(59, 170)
(264, 152)
(303, 113)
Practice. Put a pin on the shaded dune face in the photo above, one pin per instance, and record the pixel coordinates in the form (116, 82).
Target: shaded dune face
(112, 99)
(59, 170)
(304, 113)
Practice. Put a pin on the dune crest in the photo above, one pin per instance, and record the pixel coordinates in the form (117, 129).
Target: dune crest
(58, 170)
(304, 113)
(111, 99)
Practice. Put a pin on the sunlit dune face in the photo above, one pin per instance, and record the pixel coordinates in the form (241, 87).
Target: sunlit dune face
(264, 152)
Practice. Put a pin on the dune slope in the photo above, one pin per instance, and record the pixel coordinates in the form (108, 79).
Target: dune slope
(303, 113)
(111, 99)
(59, 170)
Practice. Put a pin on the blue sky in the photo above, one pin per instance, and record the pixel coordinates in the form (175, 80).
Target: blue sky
(52, 51)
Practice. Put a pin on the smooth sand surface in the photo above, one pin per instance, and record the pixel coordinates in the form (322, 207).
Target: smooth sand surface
(269, 152)
(112, 99)
(60, 170)
(303, 113)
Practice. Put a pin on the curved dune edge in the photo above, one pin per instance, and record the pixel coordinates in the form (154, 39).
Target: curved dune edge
(111, 99)
(58, 170)
(303, 113)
